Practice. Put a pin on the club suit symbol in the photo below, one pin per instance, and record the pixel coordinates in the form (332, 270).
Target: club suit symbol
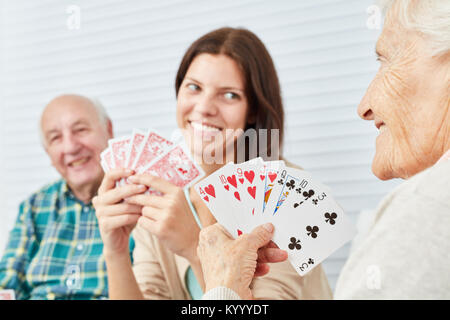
(295, 244)
(312, 231)
(290, 184)
(308, 194)
(330, 217)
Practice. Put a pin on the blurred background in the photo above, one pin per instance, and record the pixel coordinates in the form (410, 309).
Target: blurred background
(126, 53)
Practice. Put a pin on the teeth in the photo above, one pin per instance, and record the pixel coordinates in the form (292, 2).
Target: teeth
(203, 127)
(78, 162)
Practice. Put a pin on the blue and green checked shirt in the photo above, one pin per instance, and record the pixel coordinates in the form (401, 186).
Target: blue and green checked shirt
(55, 249)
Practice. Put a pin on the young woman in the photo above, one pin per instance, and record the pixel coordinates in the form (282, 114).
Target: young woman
(226, 82)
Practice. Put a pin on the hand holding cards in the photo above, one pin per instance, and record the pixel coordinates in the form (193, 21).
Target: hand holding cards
(309, 223)
(149, 152)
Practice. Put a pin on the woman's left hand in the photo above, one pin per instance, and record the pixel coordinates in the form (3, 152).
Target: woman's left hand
(168, 217)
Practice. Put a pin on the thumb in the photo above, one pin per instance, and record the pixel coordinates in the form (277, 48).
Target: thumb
(261, 235)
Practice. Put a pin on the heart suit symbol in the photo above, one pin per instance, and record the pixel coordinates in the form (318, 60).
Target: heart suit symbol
(252, 191)
(232, 180)
(210, 190)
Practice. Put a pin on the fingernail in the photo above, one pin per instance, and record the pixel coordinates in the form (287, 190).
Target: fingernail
(268, 227)
(141, 186)
(132, 178)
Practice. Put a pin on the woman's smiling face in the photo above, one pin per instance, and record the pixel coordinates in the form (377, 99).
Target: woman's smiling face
(211, 99)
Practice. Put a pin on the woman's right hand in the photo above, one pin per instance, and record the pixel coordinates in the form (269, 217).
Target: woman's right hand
(116, 218)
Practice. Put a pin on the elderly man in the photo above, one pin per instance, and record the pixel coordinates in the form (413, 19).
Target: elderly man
(406, 253)
(55, 249)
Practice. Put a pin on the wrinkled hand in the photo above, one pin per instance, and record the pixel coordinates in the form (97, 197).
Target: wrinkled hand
(168, 217)
(116, 218)
(234, 263)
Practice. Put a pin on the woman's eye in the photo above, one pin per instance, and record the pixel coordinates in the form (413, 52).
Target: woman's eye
(193, 87)
(231, 95)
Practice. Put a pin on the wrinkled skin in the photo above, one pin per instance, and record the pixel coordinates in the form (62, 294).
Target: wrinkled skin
(233, 263)
(410, 95)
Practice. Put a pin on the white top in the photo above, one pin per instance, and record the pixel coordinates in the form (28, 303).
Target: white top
(406, 254)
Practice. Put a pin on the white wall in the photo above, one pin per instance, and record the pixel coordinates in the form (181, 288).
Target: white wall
(127, 52)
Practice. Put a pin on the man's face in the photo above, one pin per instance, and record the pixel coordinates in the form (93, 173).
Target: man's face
(74, 137)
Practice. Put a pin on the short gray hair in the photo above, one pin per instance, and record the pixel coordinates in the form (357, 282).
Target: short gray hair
(99, 109)
(430, 17)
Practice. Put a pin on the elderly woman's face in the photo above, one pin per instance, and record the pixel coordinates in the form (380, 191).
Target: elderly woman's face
(409, 102)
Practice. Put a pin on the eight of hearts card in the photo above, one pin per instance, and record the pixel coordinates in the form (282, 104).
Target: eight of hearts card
(309, 224)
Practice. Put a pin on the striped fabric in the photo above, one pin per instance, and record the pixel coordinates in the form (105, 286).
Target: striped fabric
(55, 249)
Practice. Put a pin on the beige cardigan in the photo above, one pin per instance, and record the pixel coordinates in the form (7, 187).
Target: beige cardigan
(406, 252)
(161, 274)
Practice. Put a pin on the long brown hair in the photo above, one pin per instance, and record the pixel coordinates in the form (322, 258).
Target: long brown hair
(262, 86)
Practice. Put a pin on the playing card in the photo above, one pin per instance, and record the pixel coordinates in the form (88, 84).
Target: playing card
(311, 232)
(307, 174)
(297, 191)
(274, 195)
(131, 150)
(248, 185)
(153, 146)
(268, 172)
(106, 160)
(175, 166)
(214, 191)
(134, 147)
(291, 180)
(7, 294)
(119, 148)
(104, 166)
(309, 224)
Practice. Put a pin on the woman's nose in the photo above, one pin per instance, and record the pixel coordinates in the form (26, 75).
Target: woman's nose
(364, 108)
(365, 112)
(206, 105)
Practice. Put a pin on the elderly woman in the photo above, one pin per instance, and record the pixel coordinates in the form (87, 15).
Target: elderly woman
(406, 253)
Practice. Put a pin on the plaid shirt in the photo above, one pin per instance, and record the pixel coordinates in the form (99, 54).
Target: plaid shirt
(55, 249)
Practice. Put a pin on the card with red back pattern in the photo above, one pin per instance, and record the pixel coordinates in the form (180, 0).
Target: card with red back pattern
(153, 146)
(175, 166)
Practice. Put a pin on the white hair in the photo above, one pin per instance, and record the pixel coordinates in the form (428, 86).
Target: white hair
(99, 109)
(430, 17)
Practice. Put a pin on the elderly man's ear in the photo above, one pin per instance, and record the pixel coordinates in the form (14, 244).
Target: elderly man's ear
(109, 128)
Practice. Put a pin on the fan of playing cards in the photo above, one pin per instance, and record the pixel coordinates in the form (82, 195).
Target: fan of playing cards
(149, 152)
(309, 223)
